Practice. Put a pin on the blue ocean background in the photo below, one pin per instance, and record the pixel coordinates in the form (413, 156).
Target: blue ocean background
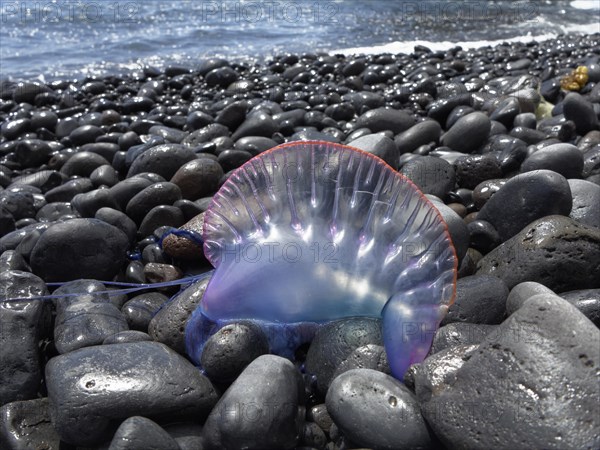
(52, 39)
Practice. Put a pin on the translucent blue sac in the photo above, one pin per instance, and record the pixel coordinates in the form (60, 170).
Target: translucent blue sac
(310, 232)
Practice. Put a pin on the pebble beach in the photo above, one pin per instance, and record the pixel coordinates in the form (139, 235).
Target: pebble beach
(96, 173)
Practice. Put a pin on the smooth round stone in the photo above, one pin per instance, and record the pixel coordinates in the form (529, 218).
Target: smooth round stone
(483, 236)
(114, 382)
(79, 248)
(141, 433)
(422, 133)
(468, 133)
(375, 410)
(12, 129)
(232, 116)
(119, 220)
(479, 299)
(26, 91)
(527, 120)
(261, 409)
(198, 119)
(540, 193)
(506, 112)
(458, 334)
(53, 211)
(153, 253)
(125, 190)
(104, 176)
(227, 352)
(580, 111)
(437, 370)
(68, 190)
(105, 149)
(157, 194)
(382, 119)
(365, 357)
(587, 301)
(168, 324)
(501, 383)
(45, 180)
(83, 324)
(586, 202)
(163, 160)
(140, 310)
(88, 203)
(19, 204)
(188, 435)
(459, 233)
(24, 324)
(205, 134)
(379, 145)
(222, 76)
(172, 135)
(232, 159)
(555, 251)
(26, 425)
(256, 124)
(313, 135)
(255, 144)
(591, 162)
(183, 246)
(335, 341)
(85, 134)
(123, 337)
(83, 164)
(472, 170)
(485, 190)
(161, 273)
(431, 175)
(565, 159)
(7, 221)
(522, 292)
(312, 436)
(162, 215)
(32, 152)
(12, 260)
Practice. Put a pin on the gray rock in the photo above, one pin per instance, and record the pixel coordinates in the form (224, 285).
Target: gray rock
(12, 260)
(522, 292)
(457, 228)
(479, 299)
(123, 337)
(23, 324)
(256, 124)
(587, 301)
(160, 216)
(263, 408)
(140, 309)
(335, 341)
(163, 159)
(586, 202)
(365, 357)
(82, 324)
(227, 352)
(157, 194)
(459, 333)
(168, 324)
(432, 175)
(528, 385)
(422, 133)
(89, 203)
(313, 436)
(382, 119)
(562, 158)
(474, 169)
(66, 192)
(118, 220)
(32, 152)
(198, 178)
(26, 425)
(188, 435)
(379, 145)
(580, 111)
(555, 251)
(375, 410)
(540, 193)
(468, 133)
(111, 382)
(79, 248)
(83, 164)
(125, 190)
(140, 433)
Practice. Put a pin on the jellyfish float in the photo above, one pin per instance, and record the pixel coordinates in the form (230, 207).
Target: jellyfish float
(311, 232)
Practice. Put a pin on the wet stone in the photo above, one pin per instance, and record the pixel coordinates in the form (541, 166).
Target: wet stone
(23, 324)
(375, 410)
(108, 383)
(141, 433)
(555, 251)
(432, 175)
(140, 309)
(271, 388)
(79, 248)
(26, 425)
(124, 337)
(460, 333)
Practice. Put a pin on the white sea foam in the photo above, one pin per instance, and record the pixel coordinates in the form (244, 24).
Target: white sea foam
(585, 4)
(408, 46)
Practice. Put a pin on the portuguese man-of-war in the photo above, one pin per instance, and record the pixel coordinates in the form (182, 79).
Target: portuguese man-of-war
(310, 232)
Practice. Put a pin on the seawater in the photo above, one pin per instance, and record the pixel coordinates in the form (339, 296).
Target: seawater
(51, 39)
